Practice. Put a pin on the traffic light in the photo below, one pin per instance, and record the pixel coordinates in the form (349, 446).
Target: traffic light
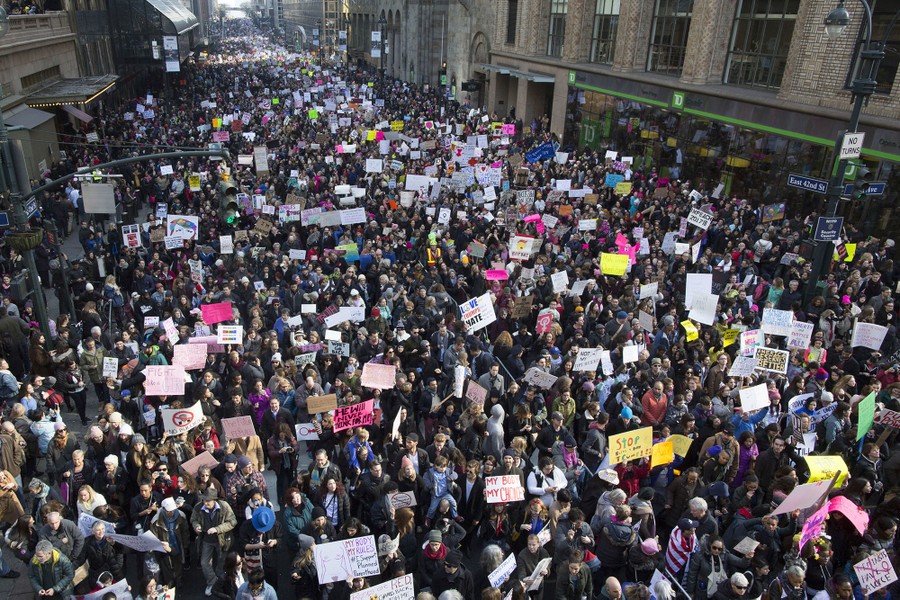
(861, 183)
(444, 74)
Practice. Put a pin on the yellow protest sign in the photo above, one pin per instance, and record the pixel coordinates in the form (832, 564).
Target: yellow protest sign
(661, 454)
(396, 125)
(851, 252)
(730, 336)
(275, 101)
(613, 264)
(680, 444)
(194, 183)
(826, 467)
(623, 187)
(690, 330)
(630, 445)
(370, 135)
(217, 122)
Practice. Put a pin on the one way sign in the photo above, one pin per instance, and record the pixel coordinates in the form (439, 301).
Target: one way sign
(852, 145)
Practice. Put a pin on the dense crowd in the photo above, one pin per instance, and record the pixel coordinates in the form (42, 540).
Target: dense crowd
(467, 403)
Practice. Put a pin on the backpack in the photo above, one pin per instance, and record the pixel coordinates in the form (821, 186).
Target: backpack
(54, 399)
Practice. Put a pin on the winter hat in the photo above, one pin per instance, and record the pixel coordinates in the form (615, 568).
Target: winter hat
(650, 546)
(718, 489)
(169, 505)
(626, 413)
(305, 541)
(435, 536)
(138, 439)
(453, 558)
(317, 512)
(126, 429)
(243, 462)
(59, 426)
(230, 459)
(822, 375)
(714, 450)
(405, 462)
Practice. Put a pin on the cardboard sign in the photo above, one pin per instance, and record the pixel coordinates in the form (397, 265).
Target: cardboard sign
(403, 500)
(503, 488)
(205, 459)
(321, 404)
(875, 572)
(681, 444)
(238, 427)
(179, 420)
(189, 356)
(476, 393)
(630, 445)
(888, 418)
(346, 559)
(770, 359)
(400, 588)
(354, 415)
(378, 377)
(803, 496)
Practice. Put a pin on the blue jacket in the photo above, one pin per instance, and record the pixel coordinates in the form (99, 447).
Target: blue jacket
(740, 425)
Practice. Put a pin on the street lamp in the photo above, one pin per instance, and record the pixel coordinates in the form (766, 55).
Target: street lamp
(381, 23)
(24, 239)
(864, 66)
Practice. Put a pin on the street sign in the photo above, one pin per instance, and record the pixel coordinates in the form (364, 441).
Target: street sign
(810, 184)
(31, 208)
(828, 229)
(4, 219)
(851, 147)
(876, 188)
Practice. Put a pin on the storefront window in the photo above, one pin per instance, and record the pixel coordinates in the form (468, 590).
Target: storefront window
(512, 17)
(603, 38)
(760, 40)
(557, 32)
(668, 42)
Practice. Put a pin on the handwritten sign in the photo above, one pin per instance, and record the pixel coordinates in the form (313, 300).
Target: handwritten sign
(498, 576)
(238, 427)
(888, 418)
(216, 313)
(378, 377)
(812, 527)
(868, 335)
(146, 542)
(503, 488)
(801, 333)
(110, 366)
(478, 313)
(163, 380)
(346, 559)
(179, 420)
(875, 572)
(699, 218)
(353, 416)
(189, 356)
(826, 467)
(777, 322)
(770, 359)
(630, 445)
(662, 454)
(476, 393)
(681, 444)
(400, 588)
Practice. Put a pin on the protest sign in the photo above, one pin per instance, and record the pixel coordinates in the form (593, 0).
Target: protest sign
(661, 454)
(826, 467)
(560, 281)
(403, 500)
(696, 285)
(868, 335)
(498, 576)
(146, 542)
(306, 431)
(346, 559)
(888, 418)
(649, 290)
(189, 356)
(743, 366)
(378, 377)
(86, 522)
(320, 404)
(754, 398)
(540, 378)
(866, 415)
(681, 444)
(699, 218)
(238, 427)
(179, 420)
(803, 496)
(777, 322)
(812, 527)
(746, 546)
(229, 334)
(750, 340)
(110, 366)
(770, 359)
(503, 488)
(630, 445)
(875, 573)
(613, 264)
(587, 359)
(400, 588)
(201, 460)
(856, 515)
(478, 313)
(184, 226)
(120, 589)
(354, 415)
(801, 333)
(163, 380)
(476, 393)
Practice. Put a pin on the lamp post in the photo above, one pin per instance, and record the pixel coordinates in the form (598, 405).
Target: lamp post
(318, 39)
(347, 24)
(864, 66)
(381, 23)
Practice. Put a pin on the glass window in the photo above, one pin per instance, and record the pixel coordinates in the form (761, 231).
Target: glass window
(512, 17)
(603, 37)
(882, 13)
(557, 32)
(760, 40)
(668, 42)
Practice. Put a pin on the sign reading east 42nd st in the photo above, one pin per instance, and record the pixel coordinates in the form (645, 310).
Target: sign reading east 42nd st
(851, 147)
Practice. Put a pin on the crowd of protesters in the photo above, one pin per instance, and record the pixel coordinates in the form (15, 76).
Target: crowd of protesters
(610, 530)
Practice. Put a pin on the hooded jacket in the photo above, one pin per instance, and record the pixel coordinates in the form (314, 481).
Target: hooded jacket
(493, 444)
(56, 573)
(613, 544)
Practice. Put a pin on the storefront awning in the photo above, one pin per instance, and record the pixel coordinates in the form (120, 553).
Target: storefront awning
(28, 117)
(495, 68)
(181, 19)
(533, 77)
(71, 91)
(78, 114)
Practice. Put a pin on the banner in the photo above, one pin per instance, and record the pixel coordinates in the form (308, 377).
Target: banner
(179, 420)
(630, 445)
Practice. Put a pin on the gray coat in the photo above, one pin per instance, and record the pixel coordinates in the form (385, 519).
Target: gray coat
(68, 539)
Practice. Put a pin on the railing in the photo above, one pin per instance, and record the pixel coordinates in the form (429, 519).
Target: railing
(25, 28)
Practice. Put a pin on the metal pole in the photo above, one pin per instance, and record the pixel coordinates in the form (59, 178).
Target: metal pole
(15, 188)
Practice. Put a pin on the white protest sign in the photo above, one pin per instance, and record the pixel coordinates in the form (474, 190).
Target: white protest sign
(346, 559)
(649, 290)
(801, 333)
(110, 366)
(875, 572)
(560, 281)
(777, 322)
(498, 576)
(754, 398)
(587, 359)
(703, 308)
(478, 313)
(306, 431)
(540, 378)
(146, 542)
(699, 218)
(743, 366)
(868, 335)
(400, 588)
(696, 285)
(503, 488)
(86, 522)
(179, 420)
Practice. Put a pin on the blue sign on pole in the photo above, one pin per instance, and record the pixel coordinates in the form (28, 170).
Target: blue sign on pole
(31, 208)
(876, 188)
(828, 229)
(4, 219)
(810, 184)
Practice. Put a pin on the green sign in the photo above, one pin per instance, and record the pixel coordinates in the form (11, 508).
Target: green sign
(590, 133)
(678, 100)
(571, 77)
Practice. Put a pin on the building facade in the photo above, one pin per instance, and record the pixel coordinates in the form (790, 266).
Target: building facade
(739, 92)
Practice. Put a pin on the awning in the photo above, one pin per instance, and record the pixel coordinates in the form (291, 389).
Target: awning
(78, 114)
(502, 70)
(496, 68)
(71, 91)
(28, 117)
(176, 14)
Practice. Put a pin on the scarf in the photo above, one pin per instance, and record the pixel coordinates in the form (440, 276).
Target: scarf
(570, 458)
(170, 528)
(438, 555)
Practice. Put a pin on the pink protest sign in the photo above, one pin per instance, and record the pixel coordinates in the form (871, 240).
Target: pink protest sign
(164, 380)
(189, 356)
(238, 427)
(379, 377)
(508, 129)
(857, 516)
(476, 393)
(201, 460)
(211, 341)
(544, 323)
(532, 218)
(221, 136)
(216, 313)
(496, 275)
(353, 416)
(812, 528)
